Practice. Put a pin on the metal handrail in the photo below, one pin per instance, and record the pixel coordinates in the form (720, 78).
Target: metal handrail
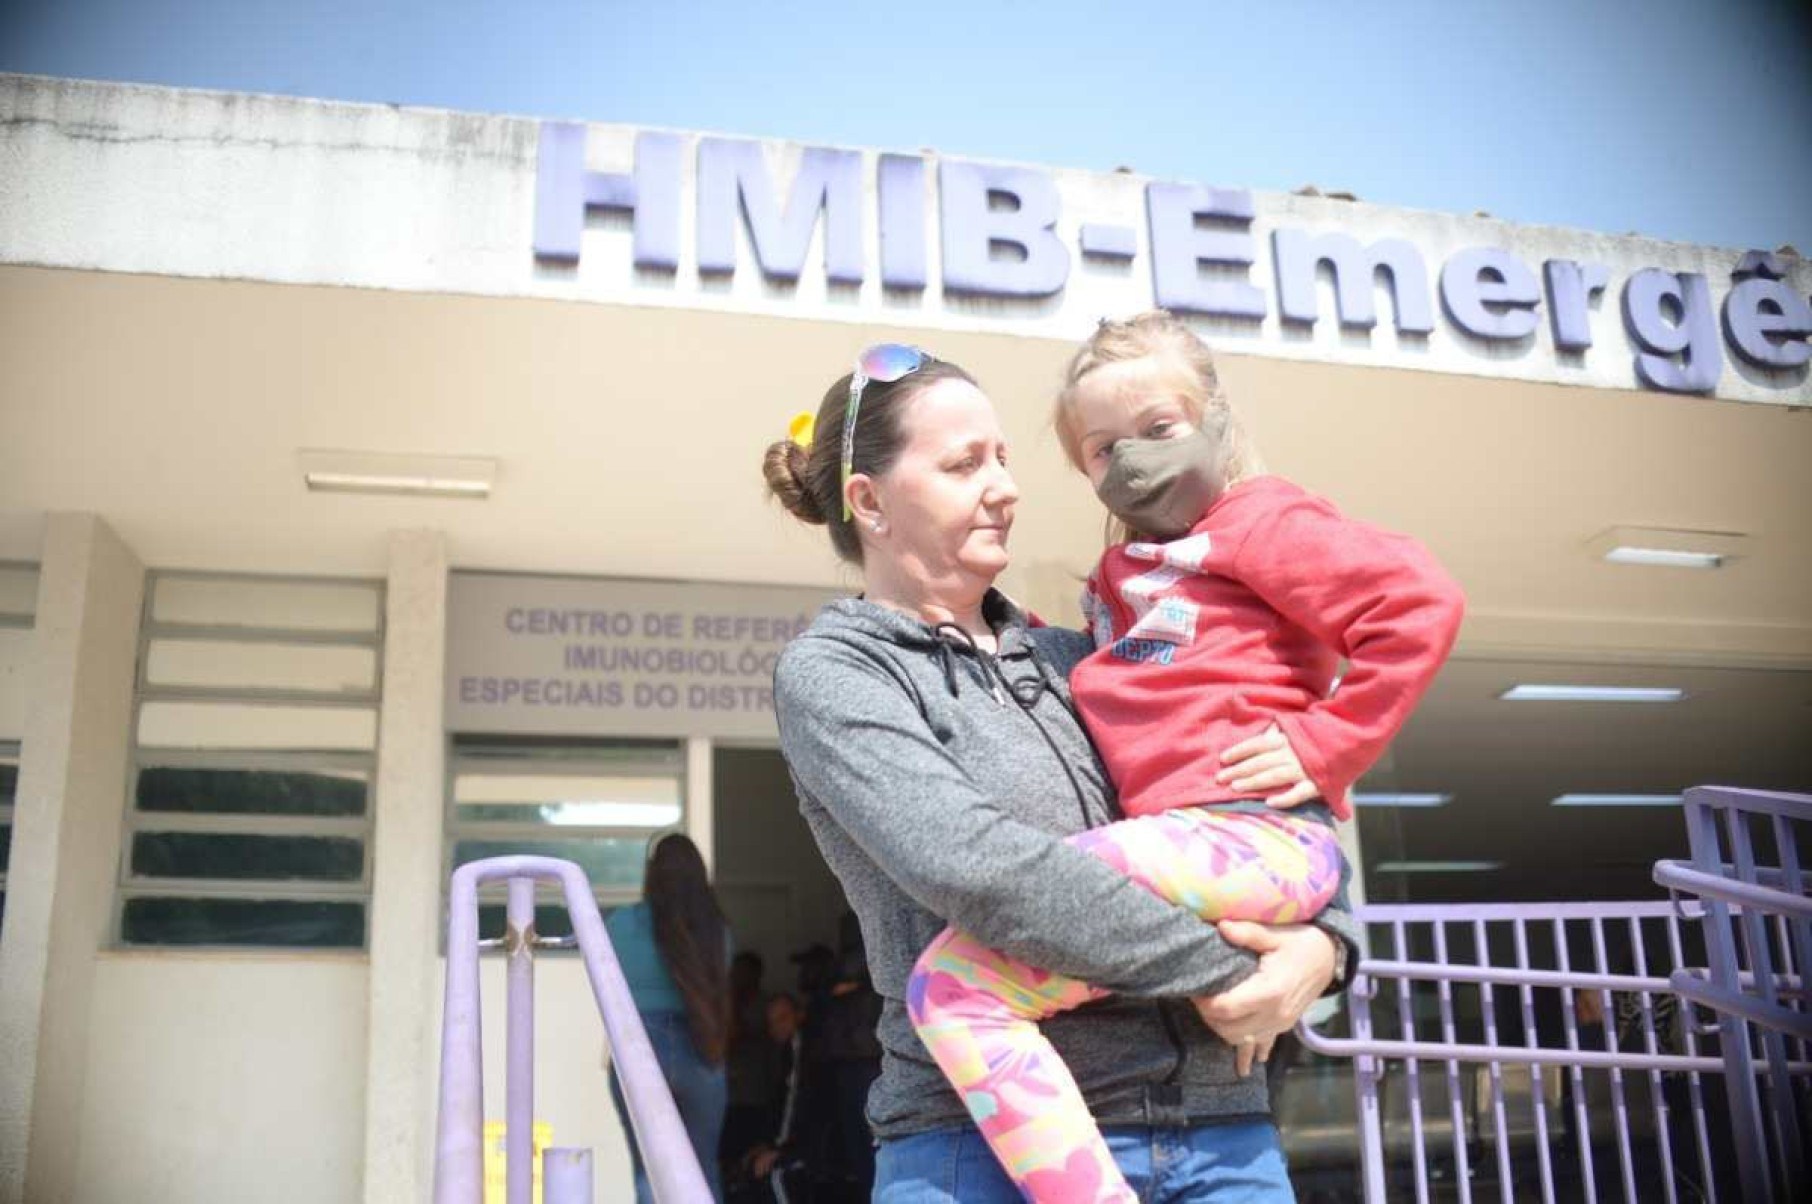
(673, 1169)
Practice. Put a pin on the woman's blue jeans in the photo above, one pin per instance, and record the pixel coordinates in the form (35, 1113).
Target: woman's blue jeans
(699, 1091)
(1240, 1163)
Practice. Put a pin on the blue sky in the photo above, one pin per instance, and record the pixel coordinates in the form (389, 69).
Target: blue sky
(1679, 120)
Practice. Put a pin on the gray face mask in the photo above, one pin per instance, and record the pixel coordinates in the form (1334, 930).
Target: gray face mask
(1162, 487)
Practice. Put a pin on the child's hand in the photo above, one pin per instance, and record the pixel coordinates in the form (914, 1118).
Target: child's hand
(1264, 763)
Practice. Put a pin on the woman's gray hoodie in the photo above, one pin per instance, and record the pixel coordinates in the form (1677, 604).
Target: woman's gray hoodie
(939, 782)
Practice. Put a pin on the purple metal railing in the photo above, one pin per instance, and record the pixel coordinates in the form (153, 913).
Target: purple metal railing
(1741, 896)
(1454, 965)
(673, 1169)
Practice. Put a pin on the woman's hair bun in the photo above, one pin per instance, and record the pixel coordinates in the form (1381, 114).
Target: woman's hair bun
(783, 467)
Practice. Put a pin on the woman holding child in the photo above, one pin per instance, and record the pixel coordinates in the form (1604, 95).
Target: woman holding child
(1034, 908)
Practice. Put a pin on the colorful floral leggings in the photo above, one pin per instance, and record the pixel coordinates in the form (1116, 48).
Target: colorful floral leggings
(978, 1010)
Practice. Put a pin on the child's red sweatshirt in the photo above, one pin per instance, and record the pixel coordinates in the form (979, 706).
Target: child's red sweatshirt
(1211, 638)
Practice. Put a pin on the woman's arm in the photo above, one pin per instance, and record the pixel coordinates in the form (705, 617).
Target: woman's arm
(858, 746)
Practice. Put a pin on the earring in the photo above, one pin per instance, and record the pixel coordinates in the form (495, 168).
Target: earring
(877, 526)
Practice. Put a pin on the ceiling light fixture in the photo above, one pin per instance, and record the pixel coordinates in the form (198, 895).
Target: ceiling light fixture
(1369, 799)
(388, 473)
(1657, 548)
(1557, 693)
(1436, 867)
(1617, 800)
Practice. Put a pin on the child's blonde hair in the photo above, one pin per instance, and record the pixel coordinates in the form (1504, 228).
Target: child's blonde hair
(1158, 334)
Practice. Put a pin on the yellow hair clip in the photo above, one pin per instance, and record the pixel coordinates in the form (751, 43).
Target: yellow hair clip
(801, 429)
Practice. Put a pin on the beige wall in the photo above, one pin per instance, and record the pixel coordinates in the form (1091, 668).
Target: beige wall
(235, 1078)
(217, 1078)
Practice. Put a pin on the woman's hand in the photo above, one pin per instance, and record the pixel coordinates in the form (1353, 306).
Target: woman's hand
(1295, 965)
(1264, 763)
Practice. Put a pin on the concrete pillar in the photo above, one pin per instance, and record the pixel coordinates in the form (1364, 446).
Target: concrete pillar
(66, 843)
(400, 1055)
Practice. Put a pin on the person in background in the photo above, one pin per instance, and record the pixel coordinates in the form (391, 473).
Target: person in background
(674, 950)
(773, 1168)
(813, 1129)
(822, 1058)
(1589, 1033)
(749, 1068)
(825, 1152)
(850, 1054)
(747, 1002)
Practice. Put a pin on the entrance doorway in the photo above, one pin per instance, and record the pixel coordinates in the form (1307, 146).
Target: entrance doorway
(778, 893)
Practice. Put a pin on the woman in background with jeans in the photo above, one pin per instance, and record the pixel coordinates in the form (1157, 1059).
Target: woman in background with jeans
(674, 950)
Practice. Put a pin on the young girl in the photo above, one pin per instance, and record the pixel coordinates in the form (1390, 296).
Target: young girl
(1222, 618)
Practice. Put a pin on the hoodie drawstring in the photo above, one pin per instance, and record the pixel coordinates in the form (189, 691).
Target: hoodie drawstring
(1025, 692)
(947, 659)
(990, 667)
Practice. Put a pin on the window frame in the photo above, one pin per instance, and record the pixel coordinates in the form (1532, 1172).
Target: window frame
(9, 755)
(135, 822)
(24, 620)
(552, 756)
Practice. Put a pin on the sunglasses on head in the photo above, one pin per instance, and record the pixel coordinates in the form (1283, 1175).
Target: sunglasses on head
(883, 364)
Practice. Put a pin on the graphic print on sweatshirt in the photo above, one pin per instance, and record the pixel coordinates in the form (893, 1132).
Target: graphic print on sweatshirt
(1161, 621)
